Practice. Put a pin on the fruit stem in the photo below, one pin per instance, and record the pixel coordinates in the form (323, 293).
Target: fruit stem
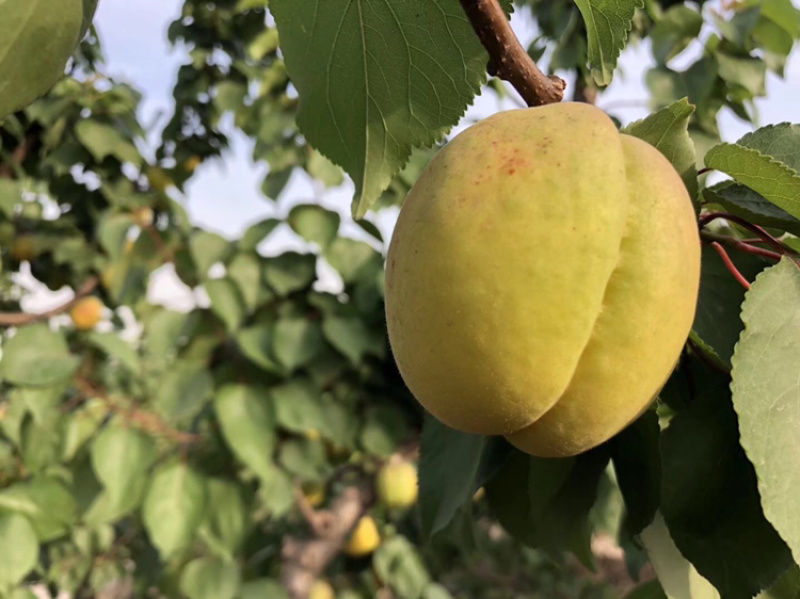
(509, 58)
(730, 265)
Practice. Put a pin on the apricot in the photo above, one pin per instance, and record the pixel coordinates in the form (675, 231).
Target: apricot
(397, 484)
(542, 279)
(86, 313)
(364, 538)
(321, 589)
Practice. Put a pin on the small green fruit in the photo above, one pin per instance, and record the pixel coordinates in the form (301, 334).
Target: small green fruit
(396, 484)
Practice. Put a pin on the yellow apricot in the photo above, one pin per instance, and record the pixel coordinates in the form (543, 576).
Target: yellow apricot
(396, 484)
(86, 313)
(364, 538)
(321, 589)
(542, 279)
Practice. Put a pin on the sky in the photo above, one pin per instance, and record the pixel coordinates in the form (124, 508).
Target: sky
(224, 195)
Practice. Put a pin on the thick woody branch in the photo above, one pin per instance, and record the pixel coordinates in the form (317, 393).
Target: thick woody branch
(304, 560)
(509, 59)
(16, 319)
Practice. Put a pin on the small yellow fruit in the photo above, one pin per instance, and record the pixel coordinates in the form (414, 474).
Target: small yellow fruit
(24, 248)
(86, 313)
(193, 162)
(396, 484)
(312, 435)
(158, 178)
(322, 589)
(143, 216)
(542, 279)
(314, 492)
(479, 494)
(364, 539)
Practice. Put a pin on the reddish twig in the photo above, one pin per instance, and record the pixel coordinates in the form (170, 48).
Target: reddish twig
(730, 265)
(769, 239)
(742, 245)
(510, 60)
(16, 319)
(17, 158)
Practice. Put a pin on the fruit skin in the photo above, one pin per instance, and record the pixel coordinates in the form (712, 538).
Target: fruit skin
(86, 313)
(321, 589)
(397, 484)
(364, 539)
(542, 279)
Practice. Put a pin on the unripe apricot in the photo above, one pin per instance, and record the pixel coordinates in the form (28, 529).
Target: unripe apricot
(86, 313)
(542, 279)
(397, 485)
(364, 538)
(321, 589)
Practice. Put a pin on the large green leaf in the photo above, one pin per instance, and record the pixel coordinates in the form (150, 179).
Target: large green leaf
(248, 425)
(295, 341)
(46, 502)
(765, 394)
(19, 548)
(750, 205)
(227, 518)
(174, 507)
(297, 406)
(38, 357)
(121, 457)
(226, 301)
(37, 37)
(376, 79)
(452, 467)
(210, 578)
(710, 497)
(314, 223)
(668, 131)
(777, 182)
(607, 25)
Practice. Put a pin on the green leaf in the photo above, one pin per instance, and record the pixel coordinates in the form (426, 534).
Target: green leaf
(297, 406)
(116, 347)
(121, 457)
(674, 31)
(384, 427)
(717, 319)
(226, 302)
(104, 140)
(256, 233)
(305, 458)
(774, 180)
(607, 25)
(245, 270)
(227, 517)
(174, 507)
(248, 425)
(256, 344)
(350, 110)
(210, 578)
(314, 223)
(45, 501)
(38, 38)
(668, 131)
(19, 548)
(207, 249)
(38, 357)
(295, 341)
(637, 464)
(781, 142)
(765, 390)
(546, 502)
(710, 497)
(399, 563)
(183, 390)
(262, 588)
(750, 205)
(290, 272)
(747, 72)
(352, 337)
(452, 467)
(355, 260)
(82, 425)
(677, 576)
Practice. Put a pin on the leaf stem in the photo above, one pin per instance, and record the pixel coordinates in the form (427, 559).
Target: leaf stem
(769, 239)
(730, 265)
(741, 245)
(510, 60)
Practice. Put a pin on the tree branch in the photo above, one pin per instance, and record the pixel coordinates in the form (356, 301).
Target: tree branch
(509, 59)
(304, 560)
(16, 319)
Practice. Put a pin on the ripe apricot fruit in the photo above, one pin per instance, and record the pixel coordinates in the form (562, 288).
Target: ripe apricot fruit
(396, 484)
(542, 279)
(364, 538)
(86, 313)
